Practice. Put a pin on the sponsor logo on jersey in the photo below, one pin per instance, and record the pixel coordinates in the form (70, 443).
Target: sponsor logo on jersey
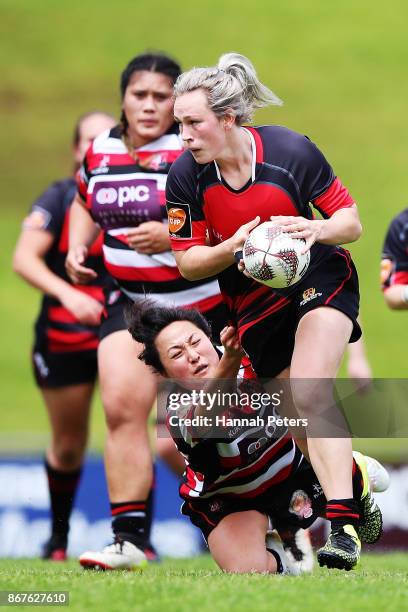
(309, 295)
(179, 216)
(122, 195)
(257, 445)
(177, 219)
(300, 504)
(37, 219)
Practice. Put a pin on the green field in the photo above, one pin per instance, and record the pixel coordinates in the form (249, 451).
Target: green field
(340, 68)
(380, 582)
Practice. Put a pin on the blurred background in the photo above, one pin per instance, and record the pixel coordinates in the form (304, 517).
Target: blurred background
(339, 67)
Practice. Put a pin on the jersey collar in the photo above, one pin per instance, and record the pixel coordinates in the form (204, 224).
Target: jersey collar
(257, 153)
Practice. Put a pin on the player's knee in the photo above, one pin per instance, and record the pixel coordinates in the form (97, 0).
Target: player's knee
(123, 409)
(69, 457)
(313, 397)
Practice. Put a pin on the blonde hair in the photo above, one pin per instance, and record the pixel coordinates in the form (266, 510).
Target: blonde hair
(232, 85)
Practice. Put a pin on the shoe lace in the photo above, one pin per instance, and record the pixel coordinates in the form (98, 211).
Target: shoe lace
(343, 540)
(118, 541)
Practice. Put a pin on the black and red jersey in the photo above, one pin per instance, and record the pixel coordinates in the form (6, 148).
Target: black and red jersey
(394, 263)
(122, 191)
(288, 173)
(50, 212)
(245, 455)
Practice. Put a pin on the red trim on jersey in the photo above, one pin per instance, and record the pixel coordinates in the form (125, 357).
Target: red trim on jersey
(399, 278)
(150, 274)
(92, 291)
(340, 287)
(258, 144)
(334, 198)
(255, 467)
(59, 314)
(198, 233)
(63, 243)
(68, 341)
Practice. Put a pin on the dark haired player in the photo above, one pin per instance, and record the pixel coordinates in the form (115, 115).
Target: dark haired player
(121, 188)
(66, 332)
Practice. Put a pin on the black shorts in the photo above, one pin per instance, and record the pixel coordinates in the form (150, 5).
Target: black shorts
(296, 503)
(54, 370)
(270, 343)
(113, 318)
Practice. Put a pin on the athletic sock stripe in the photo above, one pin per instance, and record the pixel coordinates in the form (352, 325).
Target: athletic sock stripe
(127, 508)
(331, 515)
(338, 507)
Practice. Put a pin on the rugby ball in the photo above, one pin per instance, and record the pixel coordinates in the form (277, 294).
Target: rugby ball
(273, 258)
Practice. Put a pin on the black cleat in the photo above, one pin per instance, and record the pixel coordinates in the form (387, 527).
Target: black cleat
(342, 549)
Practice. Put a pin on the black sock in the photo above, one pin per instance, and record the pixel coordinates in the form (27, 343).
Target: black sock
(62, 487)
(129, 521)
(342, 512)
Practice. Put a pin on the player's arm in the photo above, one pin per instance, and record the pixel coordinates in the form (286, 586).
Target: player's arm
(83, 231)
(29, 263)
(202, 261)
(394, 265)
(396, 297)
(342, 227)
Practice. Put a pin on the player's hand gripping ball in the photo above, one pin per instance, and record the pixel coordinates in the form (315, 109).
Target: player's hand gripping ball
(273, 258)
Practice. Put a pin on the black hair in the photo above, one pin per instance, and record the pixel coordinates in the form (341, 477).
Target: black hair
(152, 62)
(145, 320)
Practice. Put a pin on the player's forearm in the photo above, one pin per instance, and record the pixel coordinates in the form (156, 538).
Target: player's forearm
(34, 270)
(343, 227)
(204, 261)
(396, 297)
(83, 231)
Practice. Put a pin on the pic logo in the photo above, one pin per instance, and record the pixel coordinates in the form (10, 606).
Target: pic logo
(177, 218)
(123, 195)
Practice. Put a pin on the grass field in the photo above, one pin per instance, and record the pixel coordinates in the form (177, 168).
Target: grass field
(381, 582)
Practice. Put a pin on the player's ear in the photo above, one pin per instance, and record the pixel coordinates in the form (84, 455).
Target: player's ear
(228, 120)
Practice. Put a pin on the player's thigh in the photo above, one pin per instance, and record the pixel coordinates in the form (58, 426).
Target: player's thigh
(237, 543)
(128, 386)
(321, 339)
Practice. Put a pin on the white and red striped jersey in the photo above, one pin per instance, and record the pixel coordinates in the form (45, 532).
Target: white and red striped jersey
(122, 191)
(245, 453)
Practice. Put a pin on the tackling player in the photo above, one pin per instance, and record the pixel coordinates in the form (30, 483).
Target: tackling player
(238, 476)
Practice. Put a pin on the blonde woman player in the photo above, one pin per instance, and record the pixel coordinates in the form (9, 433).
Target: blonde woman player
(228, 180)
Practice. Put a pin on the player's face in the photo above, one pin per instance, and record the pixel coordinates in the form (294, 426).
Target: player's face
(186, 353)
(201, 130)
(148, 106)
(89, 129)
